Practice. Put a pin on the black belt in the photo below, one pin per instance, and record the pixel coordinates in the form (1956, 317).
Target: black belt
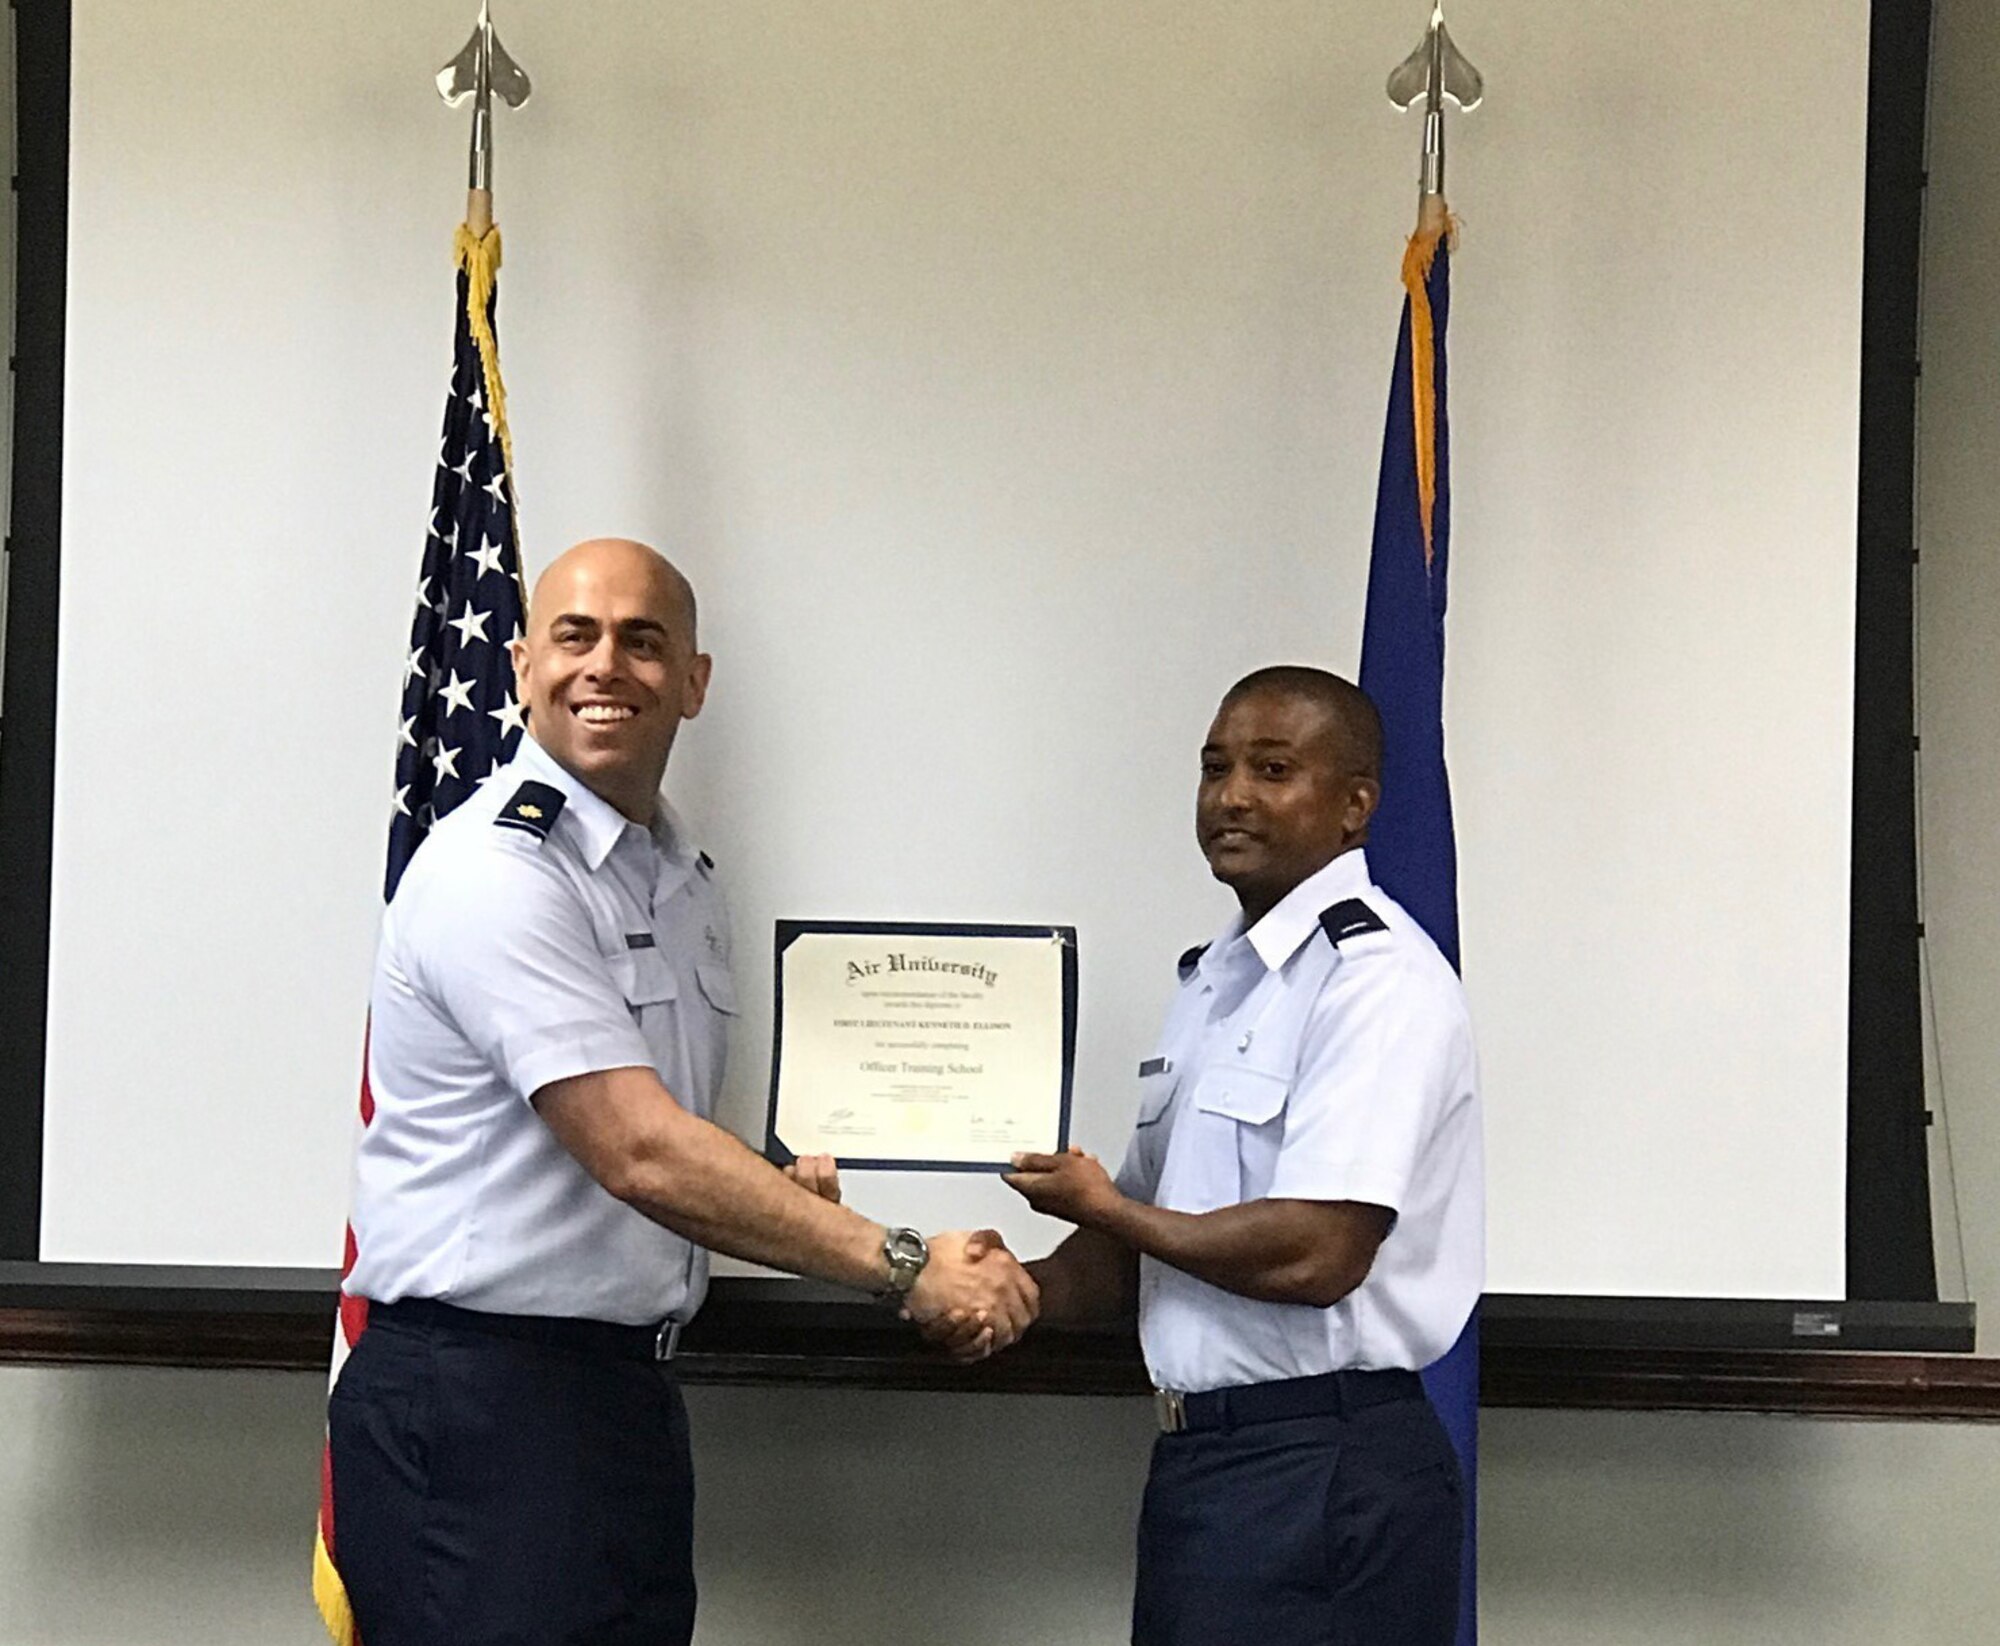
(1331, 1394)
(604, 1338)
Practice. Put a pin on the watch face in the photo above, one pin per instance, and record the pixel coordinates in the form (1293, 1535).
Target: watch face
(905, 1247)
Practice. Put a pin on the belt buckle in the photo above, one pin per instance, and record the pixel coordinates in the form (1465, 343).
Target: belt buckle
(668, 1343)
(1170, 1407)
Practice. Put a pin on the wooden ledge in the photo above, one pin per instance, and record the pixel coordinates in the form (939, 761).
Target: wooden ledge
(750, 1342)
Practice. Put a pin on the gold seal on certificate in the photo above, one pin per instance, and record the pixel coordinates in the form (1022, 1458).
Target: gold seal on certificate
(922, 1047)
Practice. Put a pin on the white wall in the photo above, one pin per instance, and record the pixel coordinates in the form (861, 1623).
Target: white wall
(160, 1508)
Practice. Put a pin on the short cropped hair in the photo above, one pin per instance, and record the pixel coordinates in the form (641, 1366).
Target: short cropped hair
(1351, 709)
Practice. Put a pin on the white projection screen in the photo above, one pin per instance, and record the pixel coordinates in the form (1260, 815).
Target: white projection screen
(1008, 379)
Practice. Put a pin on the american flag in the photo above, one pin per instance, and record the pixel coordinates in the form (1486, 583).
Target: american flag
(458, 719)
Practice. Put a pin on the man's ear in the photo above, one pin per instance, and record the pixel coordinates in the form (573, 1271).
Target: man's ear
(1362, 798)
(517, 654)
(699, 670)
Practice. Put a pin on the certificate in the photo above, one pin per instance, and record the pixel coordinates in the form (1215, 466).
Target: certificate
(922, 1047)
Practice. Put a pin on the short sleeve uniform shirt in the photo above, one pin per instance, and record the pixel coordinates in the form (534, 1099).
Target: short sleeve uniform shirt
(1325, 1054)
(537, 934)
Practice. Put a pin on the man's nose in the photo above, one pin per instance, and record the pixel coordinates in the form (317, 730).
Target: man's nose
(1233, 793)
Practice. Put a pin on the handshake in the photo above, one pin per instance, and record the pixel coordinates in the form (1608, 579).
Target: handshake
(974, 1297)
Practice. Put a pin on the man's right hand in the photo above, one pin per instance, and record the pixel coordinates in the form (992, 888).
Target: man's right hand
(973, 1296)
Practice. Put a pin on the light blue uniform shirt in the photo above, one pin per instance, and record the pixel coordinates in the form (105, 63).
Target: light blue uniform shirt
(1294, 1067)
(507, 962)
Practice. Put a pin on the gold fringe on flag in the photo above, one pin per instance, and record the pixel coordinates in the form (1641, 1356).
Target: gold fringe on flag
(1417, 259)
(330, 1596)
(479, 256)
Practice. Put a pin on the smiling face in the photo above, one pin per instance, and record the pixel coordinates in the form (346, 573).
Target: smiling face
(1280, 794)
(608, 668)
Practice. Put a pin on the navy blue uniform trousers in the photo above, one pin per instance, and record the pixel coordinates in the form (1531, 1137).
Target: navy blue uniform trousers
(492, 1492)
(1334, 1530)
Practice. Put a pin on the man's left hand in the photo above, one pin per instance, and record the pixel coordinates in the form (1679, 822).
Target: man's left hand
(817, 1172)
(1073, 1186)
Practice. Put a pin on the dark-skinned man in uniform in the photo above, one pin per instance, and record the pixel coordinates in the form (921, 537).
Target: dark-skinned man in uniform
(1299, 1220)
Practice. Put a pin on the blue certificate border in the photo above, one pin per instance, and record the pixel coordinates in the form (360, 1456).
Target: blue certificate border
(790, 931)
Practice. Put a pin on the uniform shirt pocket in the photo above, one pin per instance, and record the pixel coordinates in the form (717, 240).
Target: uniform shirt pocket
(1156, 1094)
(1241, 1115)
(1139, 1173)
(718, 988)
(645, 979)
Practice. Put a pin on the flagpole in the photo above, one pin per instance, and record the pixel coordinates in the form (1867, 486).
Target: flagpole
(482, 68)
(1411, 849)
(1435, 74)
(453, 736)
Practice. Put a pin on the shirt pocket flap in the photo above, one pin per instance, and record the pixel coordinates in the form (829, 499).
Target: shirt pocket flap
(1248, 1095)
(644, 977)
(717, 986)
(1156, 1091)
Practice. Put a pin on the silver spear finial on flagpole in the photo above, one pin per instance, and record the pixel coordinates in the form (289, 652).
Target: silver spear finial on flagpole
(1435, 71)
(481, 69)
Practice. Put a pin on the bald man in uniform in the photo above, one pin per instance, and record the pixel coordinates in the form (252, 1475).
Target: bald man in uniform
(539, 1189)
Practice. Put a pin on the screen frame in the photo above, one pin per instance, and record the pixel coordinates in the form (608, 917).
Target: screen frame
(1888, 1215)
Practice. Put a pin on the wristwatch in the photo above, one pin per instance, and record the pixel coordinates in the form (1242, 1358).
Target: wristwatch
(907, 1252)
